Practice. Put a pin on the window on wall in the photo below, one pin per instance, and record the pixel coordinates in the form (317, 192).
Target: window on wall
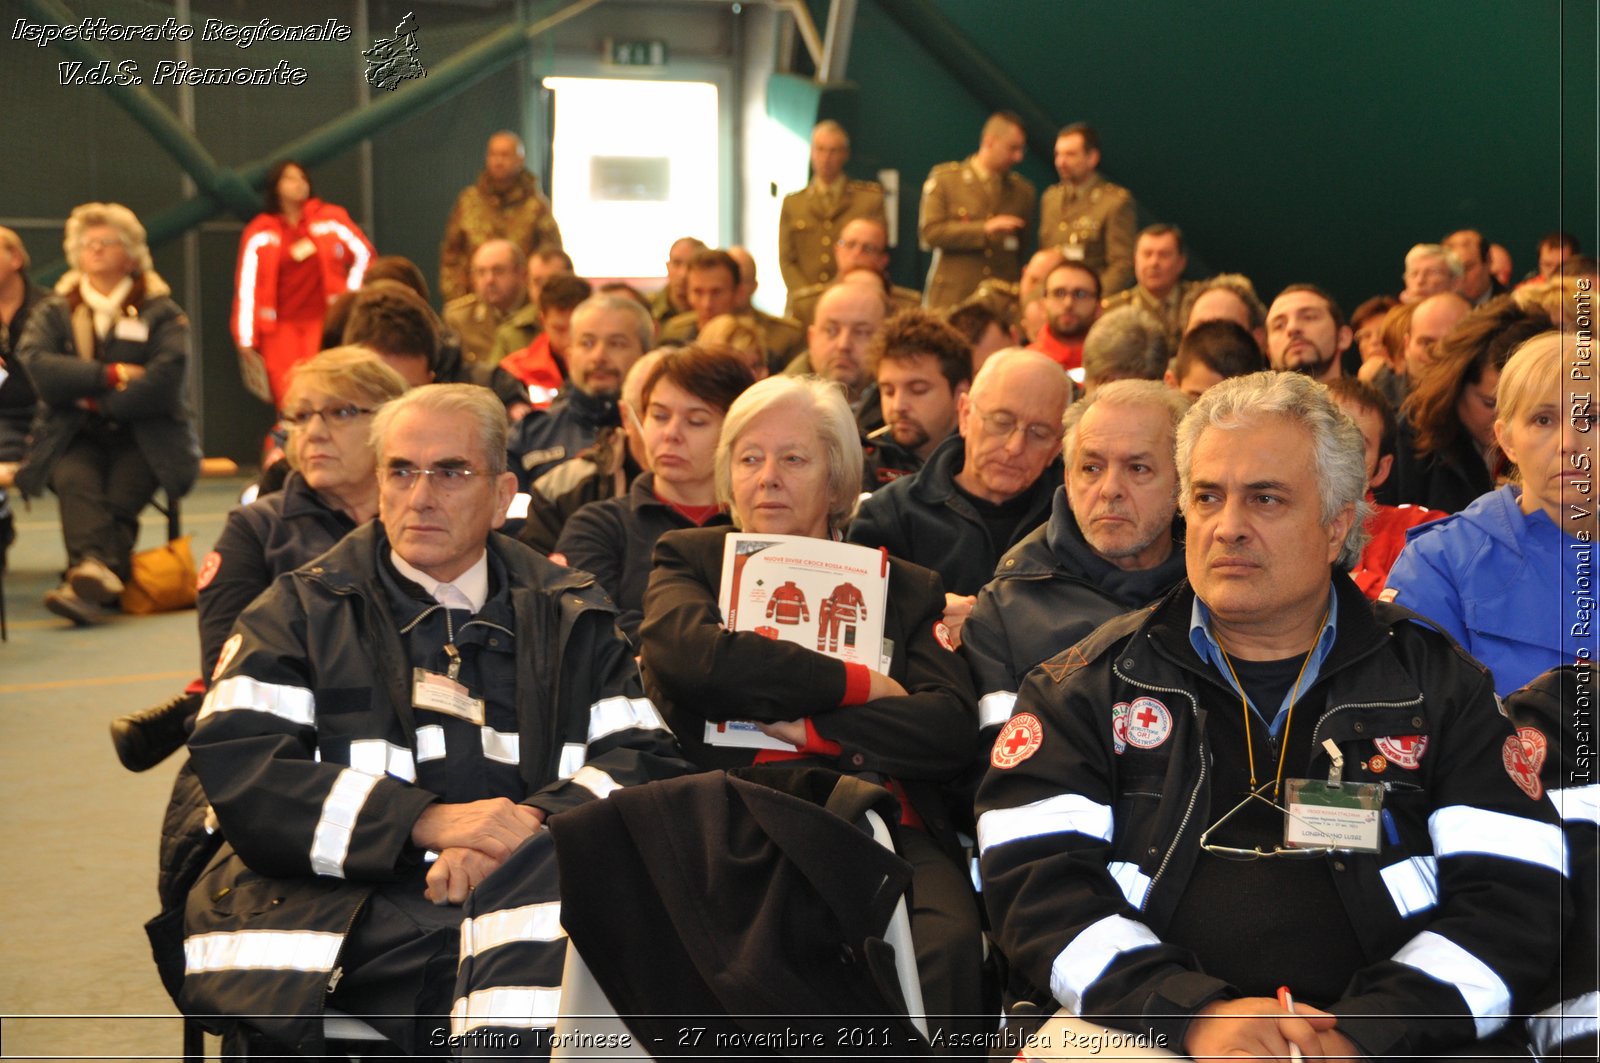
(633, 167)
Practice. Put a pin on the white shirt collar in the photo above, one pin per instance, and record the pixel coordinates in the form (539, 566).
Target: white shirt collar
(474, 582)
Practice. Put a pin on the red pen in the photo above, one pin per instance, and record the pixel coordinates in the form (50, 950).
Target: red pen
(1286, 1001)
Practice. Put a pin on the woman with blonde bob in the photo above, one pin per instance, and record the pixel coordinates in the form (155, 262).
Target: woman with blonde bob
(1500, 574)
(788, 462)
(107, 354)
(332, 489)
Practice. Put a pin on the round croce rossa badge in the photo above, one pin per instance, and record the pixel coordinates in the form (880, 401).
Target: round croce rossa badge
(1018, 740)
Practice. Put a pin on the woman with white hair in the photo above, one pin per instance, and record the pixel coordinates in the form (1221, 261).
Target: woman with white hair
(789, 463)
(107, 355)
(1508, 575)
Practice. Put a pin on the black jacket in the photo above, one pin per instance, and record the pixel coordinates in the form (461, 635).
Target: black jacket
(272, 535)
(1448, 481)
(697, 670)
(1556, 743)
(1048, 592)
(545, 438)
(1087, 847)
(924, 519)
(17, 395)
(614, 540)
(153, 406)
(321, 674)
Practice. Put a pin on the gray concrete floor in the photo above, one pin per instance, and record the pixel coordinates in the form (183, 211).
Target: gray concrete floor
(79, 832)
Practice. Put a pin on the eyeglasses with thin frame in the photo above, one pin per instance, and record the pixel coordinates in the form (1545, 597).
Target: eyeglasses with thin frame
(444, 477)
(1228, 852)
(858, 245)
(1001, 424)
(333, 416)
(96, 243)
(1075, 294)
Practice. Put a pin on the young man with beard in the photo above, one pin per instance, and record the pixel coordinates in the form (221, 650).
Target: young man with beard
(922, 367)
(1306, 333)
(1072, 303)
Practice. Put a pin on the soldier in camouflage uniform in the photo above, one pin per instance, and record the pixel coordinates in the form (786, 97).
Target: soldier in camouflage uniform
(505, 201)
(976, 215)
(813, 218)
(498, 291)
(1090, 219)
(673, 297)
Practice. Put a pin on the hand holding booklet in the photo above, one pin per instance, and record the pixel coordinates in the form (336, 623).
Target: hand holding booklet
(826, 596)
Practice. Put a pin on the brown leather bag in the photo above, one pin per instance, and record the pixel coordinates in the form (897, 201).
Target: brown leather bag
(163, 579)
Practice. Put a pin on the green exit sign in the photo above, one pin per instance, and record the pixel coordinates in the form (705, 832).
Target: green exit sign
(637, 53)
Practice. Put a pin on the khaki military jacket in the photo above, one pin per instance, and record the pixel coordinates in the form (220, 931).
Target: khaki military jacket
(807, 229)
(1093, 225)
(477, 323)
(515, 332)
(520, 214)
(783, 337)
(1163, 310)
(803, 303)
(956, 201)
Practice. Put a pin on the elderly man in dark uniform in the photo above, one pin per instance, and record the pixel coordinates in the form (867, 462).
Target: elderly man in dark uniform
(385, 725)
(976, 215)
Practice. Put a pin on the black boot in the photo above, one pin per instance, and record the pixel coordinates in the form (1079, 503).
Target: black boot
(144, 739)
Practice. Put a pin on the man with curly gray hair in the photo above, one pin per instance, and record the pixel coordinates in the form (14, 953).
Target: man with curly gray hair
(1169, 827)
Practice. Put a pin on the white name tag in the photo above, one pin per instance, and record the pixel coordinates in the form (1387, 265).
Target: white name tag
(430, 690)
(131, 329)
(1322, 816)
(1073, 252)
(303, 249)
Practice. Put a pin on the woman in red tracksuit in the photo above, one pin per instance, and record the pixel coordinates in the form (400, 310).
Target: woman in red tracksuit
(294, 259)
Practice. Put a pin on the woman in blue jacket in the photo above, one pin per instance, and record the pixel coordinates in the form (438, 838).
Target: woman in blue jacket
(1512, 575)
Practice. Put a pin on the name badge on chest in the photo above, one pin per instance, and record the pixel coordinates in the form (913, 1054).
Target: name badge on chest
(131, 329)
(440, 693)
(302, 249)
(1333, 814)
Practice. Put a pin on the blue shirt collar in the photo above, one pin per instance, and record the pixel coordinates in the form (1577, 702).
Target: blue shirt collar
(1205, 644)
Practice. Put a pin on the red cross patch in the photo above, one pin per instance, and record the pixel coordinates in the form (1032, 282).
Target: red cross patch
(941, 635)
(208, 570)
(1403, 751)
(225, 658)
(1523, 756)
(1119, 727)
(1018, 740)
(1149, 723)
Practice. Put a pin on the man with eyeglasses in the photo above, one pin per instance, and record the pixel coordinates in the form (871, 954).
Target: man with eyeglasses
(982, 490)
(1267, 781)
(861, 250)
(1072, 303)
(385, 725)
(499, 289)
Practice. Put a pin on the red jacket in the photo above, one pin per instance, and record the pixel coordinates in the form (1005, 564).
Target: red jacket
(537, 367)
(1068, 354)
(343, 251)
(1388, 528)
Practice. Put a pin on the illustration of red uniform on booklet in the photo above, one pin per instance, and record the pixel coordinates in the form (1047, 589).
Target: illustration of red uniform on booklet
(767, 583)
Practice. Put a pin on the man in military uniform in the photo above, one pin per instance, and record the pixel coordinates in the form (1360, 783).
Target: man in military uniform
(863, 246)
(811, 217)
(1158, 265)
(1090, 219)
(498, 290)
(520, 329)
(976, 215)
(504, 202)
(673, 298)
(783, 337)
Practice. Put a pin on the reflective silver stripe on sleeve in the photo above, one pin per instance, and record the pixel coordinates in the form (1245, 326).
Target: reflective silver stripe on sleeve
(1051, 815)
(610, 715)
(504, 747)
(522, 1007)
(358, 250)
(294, 704)
(246, 322)
(995, 708)
(596, 781)
(331, 842)
(1578, 803)
(275, 950)
(1413, 884)
(430, 742)
(377, 757)
(573, 754)
(531, 922)
(1567, 1021)
(1459, 829)
(1091, 952)
(1443, 960)
(1135, 884)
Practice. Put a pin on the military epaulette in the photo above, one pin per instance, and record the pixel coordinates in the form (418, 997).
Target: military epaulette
(1093, 645)
(864, 186)
(947, 167)
(460, 302)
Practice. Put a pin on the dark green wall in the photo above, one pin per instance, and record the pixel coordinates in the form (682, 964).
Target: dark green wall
(1292, 141)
